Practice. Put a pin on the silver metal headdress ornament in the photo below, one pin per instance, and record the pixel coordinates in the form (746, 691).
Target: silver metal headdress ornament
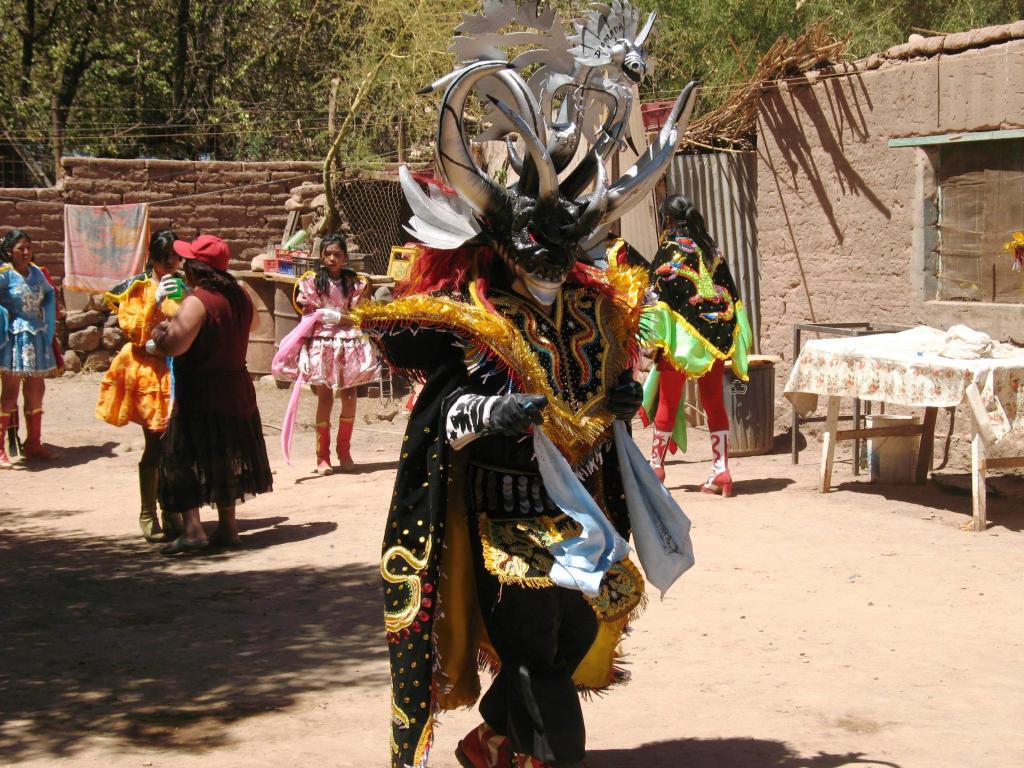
(537, 224)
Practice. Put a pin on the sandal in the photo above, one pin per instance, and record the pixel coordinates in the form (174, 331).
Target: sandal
(183, 545)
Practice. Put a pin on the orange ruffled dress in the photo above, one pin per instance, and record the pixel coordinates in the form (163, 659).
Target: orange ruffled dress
(136, 387)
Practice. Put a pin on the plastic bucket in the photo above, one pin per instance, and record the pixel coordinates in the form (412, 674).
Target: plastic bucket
(893, 459)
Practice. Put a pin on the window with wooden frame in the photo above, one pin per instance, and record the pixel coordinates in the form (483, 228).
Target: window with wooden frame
(980, 206)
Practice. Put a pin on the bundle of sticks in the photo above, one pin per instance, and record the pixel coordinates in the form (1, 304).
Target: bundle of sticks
(734, 124)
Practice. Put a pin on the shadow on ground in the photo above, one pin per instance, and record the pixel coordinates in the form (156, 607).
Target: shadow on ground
(952, 492)
(361, 469)
(103, 637)
(70, 456)
(745, 487)
(723, 753)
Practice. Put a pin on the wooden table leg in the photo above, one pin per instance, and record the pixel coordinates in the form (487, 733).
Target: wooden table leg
(978, 499)
(927, 447)
(856, 440)
(828, 443)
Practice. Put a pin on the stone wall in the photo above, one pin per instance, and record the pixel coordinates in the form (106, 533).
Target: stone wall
(189, 197)
(843, 220)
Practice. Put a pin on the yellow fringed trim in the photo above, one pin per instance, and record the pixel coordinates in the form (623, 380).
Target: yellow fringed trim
(490, 334)
(295, 290)
(711, 348)
(113, 299)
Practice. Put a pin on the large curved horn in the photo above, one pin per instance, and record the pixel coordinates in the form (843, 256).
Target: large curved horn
(460, 171)
(597, 204)
(632, 185)
(514, 158)
(583, 174)
(547, 176)
(526, 103)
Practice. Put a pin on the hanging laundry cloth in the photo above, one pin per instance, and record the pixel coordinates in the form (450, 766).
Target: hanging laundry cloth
(103, 244)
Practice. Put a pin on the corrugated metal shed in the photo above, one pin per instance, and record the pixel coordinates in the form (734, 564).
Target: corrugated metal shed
(723, 185)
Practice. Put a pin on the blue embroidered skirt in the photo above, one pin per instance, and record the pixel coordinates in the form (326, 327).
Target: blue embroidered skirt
(27, 354)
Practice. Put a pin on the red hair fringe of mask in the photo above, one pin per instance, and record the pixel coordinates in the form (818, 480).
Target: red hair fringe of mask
(434, 270)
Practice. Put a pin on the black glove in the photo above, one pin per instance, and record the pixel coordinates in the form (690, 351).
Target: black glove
(513, 415)
(624, 400)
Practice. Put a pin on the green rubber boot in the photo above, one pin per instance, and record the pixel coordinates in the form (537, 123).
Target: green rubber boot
(148, 522)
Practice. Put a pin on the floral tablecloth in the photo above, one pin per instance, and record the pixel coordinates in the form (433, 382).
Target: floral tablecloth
(907, 368)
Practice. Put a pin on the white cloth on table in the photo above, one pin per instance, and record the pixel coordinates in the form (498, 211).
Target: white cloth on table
(911, 368)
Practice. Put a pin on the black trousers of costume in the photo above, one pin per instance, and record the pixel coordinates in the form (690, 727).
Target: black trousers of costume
(540, 635)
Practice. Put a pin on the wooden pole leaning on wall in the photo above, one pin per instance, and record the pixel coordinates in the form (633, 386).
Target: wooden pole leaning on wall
(332, 105)
(331, 215)
(56, 139)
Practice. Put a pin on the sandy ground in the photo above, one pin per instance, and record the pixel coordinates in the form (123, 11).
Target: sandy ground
(863, 627)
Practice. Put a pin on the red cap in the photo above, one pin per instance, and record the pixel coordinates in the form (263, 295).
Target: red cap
(208, 249)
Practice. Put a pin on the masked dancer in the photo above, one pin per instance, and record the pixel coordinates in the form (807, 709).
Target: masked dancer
(518, 483)
(697, 324)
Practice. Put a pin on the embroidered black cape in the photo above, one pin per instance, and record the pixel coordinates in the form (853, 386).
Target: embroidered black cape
(453, 341)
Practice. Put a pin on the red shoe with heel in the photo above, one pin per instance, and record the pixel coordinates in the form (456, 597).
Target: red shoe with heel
(483, 747)
(720, 481)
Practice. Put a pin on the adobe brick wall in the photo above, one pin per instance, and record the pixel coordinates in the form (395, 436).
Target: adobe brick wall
(246, 218)
(843, 220)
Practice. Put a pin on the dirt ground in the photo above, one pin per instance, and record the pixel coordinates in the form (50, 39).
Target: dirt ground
(864, 627)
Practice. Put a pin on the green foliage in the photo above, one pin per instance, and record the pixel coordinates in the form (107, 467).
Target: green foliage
(251, 79)
(722, 41)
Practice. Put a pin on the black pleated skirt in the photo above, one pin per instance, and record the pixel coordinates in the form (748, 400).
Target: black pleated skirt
(212, 459)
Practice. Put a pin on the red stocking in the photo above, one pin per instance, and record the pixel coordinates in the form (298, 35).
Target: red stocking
(712, 397)
(670, 389)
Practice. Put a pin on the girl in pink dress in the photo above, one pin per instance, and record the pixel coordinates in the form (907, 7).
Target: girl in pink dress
(334, 355)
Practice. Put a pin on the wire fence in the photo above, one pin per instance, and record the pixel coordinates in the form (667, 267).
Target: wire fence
(374, 210)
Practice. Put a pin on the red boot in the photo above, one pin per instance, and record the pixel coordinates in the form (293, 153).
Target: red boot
(5, 460)
(345, 426)
(720, 481)
(483, 748)
(33, 447)
(323, 449)
(658, 450)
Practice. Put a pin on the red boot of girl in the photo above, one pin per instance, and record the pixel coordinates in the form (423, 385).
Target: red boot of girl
(720, 481)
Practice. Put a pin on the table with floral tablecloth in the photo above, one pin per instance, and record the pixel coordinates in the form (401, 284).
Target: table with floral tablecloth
(921, 367)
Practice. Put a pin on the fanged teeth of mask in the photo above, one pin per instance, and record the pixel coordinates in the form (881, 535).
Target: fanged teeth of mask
(543, 291)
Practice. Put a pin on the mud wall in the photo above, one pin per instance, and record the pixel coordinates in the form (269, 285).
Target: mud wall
(241, 202)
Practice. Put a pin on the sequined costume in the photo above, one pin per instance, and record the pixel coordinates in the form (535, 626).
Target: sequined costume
(136, 387)
(518, 484)
(482, 515)
(28, 314)
(697, 322)
(339, 355)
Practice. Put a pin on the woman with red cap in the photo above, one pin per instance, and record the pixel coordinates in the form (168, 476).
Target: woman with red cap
(213, 452)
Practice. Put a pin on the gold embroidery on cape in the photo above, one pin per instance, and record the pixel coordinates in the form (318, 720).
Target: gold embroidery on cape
(622, 590)
(516, 549)
(494, 337)
(396, 621)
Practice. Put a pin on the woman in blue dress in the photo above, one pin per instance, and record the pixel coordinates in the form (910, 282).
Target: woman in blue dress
(28, 316)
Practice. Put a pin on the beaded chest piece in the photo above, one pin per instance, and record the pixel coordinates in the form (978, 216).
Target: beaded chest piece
(573, 346)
